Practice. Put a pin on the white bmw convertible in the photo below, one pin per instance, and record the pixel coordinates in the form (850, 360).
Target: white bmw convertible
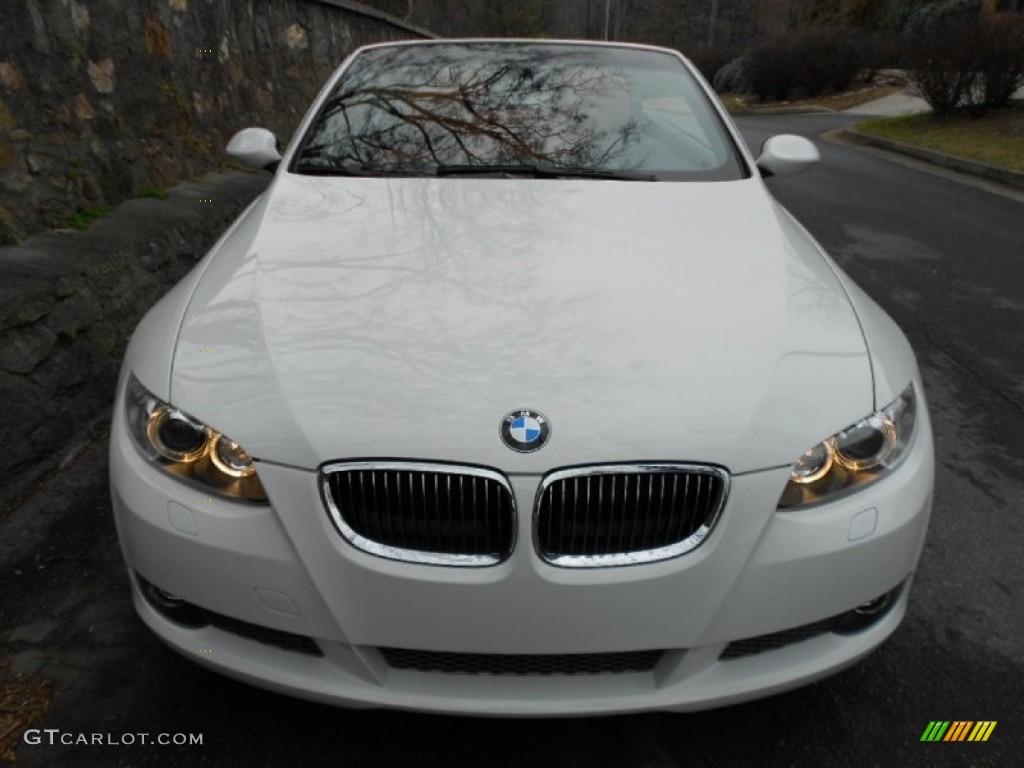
(516, 393)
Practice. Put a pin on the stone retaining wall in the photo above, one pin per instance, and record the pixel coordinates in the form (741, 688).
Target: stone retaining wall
(70, 299)
(100, 99)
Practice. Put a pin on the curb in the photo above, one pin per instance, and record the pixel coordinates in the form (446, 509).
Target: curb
(953, 162)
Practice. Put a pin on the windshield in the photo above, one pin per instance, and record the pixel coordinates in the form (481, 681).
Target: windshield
(546, 110)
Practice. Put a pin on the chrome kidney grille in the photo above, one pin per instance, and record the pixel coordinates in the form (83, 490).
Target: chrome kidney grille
(583, 517)
(436, 514)
(589, 517)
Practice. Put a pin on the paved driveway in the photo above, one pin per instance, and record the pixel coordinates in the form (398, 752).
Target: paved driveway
(945, 258)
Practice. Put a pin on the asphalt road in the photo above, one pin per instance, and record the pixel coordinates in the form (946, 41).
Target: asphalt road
(945, 258)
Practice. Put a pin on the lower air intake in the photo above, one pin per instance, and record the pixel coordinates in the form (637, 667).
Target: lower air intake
(521, 664)
(776, 640)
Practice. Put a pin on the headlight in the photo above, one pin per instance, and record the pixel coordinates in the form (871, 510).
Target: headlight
(854, 457)
(189, 449)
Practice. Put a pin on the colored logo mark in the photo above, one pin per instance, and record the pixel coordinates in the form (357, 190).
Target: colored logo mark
(958, 730)
(524, 430)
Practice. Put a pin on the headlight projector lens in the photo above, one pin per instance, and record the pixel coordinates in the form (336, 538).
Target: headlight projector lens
(175, 436)
(867, 444)
(231, 458)
(813, 465)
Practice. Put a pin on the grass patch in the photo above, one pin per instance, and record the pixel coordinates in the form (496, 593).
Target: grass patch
(158, 192)
(83, 218)
(834, 101)
(10, 233)
(996, 139)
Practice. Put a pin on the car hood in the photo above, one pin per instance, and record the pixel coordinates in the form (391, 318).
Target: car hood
(404, 318)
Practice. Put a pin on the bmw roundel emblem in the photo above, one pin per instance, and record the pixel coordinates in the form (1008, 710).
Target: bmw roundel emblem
(525, 431)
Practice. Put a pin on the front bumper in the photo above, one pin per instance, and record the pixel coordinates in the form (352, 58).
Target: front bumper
(285, 568)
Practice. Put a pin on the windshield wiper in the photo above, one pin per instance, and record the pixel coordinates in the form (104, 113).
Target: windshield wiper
(536, 170)
(311, 169)
(543, 171)
(351, 168)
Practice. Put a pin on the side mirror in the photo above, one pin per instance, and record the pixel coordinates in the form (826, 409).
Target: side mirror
(255, 147)
(786, 155)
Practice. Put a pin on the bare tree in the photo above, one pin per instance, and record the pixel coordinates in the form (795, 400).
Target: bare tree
(403, 109)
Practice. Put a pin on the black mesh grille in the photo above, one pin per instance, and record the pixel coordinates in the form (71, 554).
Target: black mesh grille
(521, 664)
(619, 512)
(436, 511)
(265, 635)
(775, 640)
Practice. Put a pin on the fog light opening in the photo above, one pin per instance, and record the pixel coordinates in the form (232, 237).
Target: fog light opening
(170, 606)
(871, 607)
(866, 614)
(166, 599)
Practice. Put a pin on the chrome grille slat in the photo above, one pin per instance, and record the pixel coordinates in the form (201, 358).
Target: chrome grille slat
(452, 546)
(426, 506)
(635, 517)
(641, 530)
(587, 507)
(487, 522)
(614, 505)
(422, 512)
(700, 489)
(661, 506)
(600, 507)
(387, 501)
(673, 500)
(498, 520)
(398, 497)
(362, 491)
(412, 501)
(561, 502)
(631, 521)
(576, 508)
(687, 502)
(437, 505)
